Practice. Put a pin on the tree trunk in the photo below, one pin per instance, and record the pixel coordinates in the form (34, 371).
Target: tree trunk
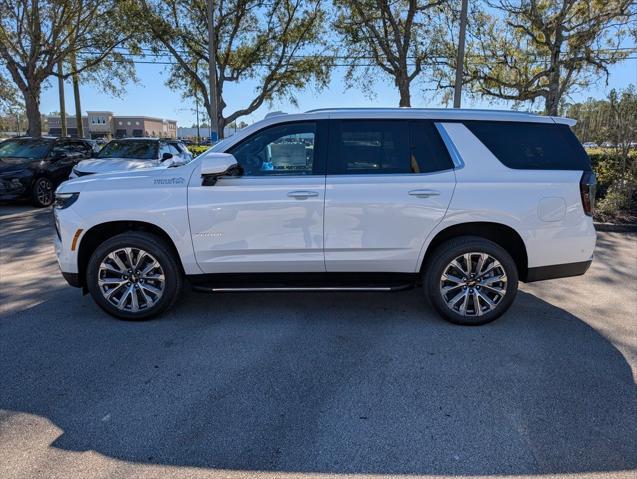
(552, 102)
(32, 106)
(76, 96)
(221, 124)
(403, 89)
(64, 131)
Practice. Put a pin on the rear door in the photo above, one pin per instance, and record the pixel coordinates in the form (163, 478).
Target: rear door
(270, 219)
(389, 183)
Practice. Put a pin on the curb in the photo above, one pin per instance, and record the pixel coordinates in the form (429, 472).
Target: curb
(616, 227)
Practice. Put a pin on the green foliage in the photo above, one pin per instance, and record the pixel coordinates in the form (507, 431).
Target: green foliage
(543, 49)
(276, 45)
(607, 165)
(616, 184)
(612, 120)
(616, 206)
(38, 35)
(197, 150)
(9, 96)
(400, 37)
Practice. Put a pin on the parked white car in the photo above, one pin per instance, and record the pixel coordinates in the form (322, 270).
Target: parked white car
(463, 203)
(590, 144)
(134, 154)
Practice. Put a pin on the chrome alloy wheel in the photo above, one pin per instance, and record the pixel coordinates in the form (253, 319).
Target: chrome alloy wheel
(473, 284)
(44, 191)
(131, 279)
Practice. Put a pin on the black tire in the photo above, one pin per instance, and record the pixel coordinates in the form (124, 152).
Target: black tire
(42, 192)
(442, 257)
(151, 244)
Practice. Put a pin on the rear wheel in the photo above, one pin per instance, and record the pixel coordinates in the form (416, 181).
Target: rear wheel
(133, 276)
(470, 280)
(42, 194)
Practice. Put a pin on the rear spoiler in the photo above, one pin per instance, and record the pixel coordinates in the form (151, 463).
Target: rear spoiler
(563, 120)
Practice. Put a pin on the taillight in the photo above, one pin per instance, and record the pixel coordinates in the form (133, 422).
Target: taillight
(587, 189)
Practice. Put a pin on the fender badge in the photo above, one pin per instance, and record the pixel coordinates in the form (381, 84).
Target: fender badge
(168, 181)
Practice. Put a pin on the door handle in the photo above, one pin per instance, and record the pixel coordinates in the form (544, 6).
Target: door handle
(424, 193)
(302, 194)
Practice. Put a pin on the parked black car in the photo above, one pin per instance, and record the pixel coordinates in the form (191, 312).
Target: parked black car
(33, 167)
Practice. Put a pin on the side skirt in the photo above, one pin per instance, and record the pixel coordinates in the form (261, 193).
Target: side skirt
(302, 282)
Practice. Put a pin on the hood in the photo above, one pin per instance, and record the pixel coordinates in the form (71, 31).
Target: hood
(14, 165)
(107, 165)
(136, 179)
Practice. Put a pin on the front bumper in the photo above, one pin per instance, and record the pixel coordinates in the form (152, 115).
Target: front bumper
(67, 239)
(73, 279)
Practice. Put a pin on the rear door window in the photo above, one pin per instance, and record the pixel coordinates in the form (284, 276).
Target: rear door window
(532, 146)
(369, 147)
(428, 152)
(386, 147)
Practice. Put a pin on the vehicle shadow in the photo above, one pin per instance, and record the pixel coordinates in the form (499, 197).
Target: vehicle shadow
(337, 383)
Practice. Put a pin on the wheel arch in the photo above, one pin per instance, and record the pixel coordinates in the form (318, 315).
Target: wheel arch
(499, 233)
(99, 233)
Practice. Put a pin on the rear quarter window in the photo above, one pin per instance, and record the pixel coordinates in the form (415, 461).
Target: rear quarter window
(532, 146)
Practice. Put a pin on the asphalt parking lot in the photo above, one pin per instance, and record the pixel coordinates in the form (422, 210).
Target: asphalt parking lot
(314, 385)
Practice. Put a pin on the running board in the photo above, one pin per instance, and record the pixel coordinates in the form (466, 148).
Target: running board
(203, 288)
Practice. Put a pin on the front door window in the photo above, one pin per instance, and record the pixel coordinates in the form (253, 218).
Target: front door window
(287, 149)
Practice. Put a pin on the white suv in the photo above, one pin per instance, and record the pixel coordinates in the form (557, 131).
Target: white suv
(133, 154)
(463, 203)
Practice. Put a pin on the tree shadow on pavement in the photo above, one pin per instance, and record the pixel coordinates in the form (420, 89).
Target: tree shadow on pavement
(340, 383)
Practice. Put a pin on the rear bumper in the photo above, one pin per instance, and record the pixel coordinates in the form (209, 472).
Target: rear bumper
(553, 271)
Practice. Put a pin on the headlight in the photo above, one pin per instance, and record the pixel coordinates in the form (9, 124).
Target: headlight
(64, 200)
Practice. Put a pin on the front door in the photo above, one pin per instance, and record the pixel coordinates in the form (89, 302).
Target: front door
(270, 219)
(389, 183)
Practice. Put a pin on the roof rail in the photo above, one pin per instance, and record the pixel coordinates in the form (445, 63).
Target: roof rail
(420, 109)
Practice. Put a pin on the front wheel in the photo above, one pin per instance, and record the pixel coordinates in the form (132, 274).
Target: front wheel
(133, 276)
(42, 194)
(470, 280)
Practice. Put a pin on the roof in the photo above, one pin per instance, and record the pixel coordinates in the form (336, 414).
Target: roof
(438, 114)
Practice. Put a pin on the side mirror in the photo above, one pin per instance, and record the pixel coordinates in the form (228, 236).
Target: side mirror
(174, 161)
(216, 165)
(166, 156)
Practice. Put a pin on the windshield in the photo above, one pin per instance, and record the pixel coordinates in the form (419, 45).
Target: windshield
(134, 150)
(26, 148)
